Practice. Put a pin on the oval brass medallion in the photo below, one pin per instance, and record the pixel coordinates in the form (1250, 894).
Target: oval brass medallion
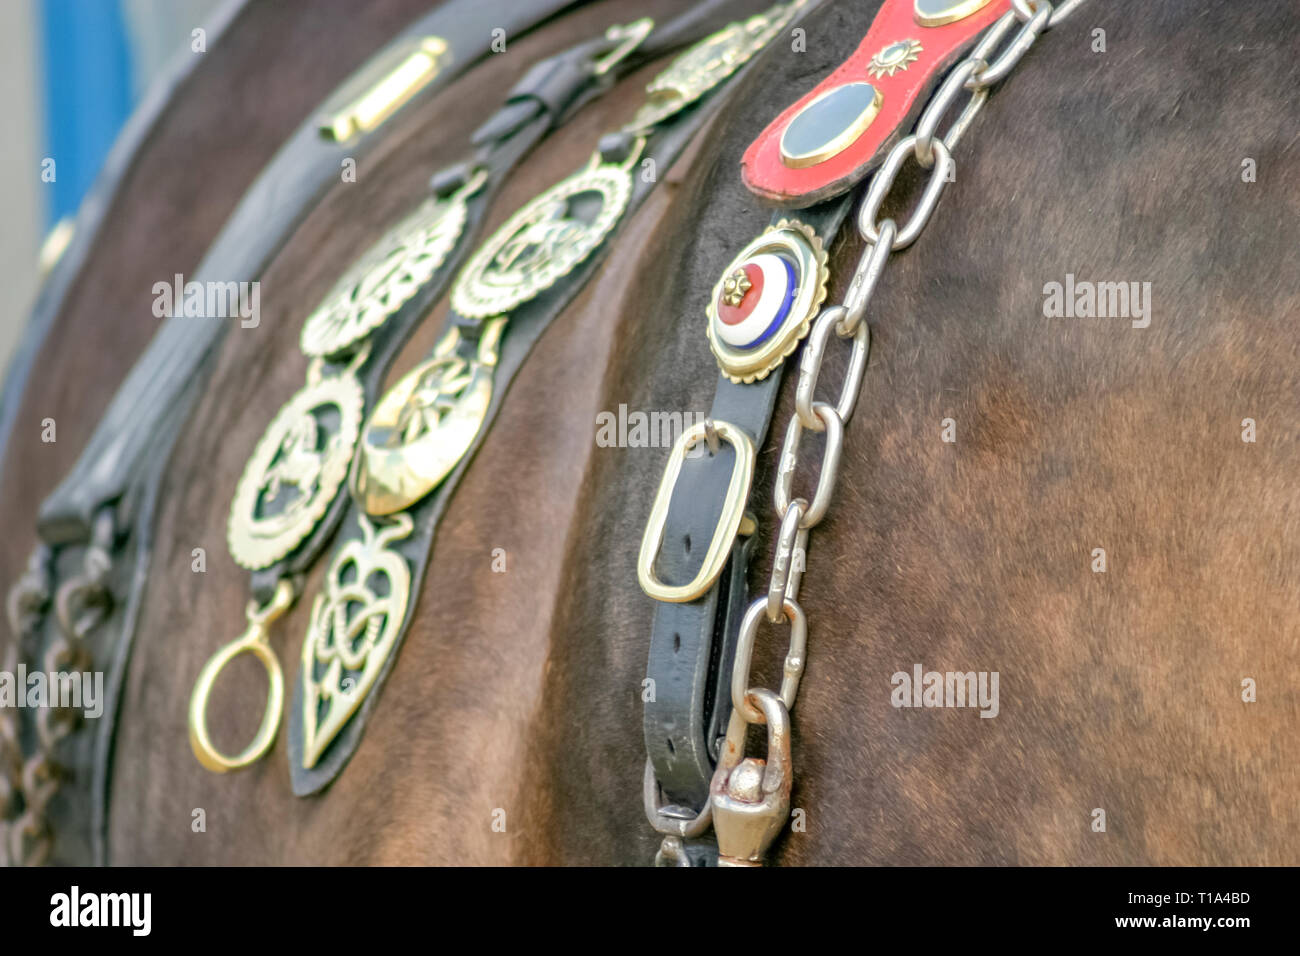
(424, 425)
(295, 471)
(385, 278)
(829, 124)
(936, 13)
(543, 242)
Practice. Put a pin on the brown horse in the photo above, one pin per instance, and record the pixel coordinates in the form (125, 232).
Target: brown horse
(1158, 150)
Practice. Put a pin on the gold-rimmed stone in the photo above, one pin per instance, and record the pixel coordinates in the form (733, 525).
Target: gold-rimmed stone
(937, 13)
(829, 124)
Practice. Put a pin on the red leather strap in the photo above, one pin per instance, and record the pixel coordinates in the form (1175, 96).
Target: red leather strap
(902, 96)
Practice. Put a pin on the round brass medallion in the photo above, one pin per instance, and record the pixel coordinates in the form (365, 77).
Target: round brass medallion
(789, 241)
(385, 277)
(543, 242)
(295, 471)
(425, 424)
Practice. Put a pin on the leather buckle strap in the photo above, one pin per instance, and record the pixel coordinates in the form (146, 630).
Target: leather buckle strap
(729, 521)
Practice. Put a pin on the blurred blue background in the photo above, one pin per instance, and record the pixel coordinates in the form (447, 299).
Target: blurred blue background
(71, 72)
(86, 76)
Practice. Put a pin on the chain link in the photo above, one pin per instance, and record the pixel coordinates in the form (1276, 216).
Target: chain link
(814, 350)
(932, 152)
(941, 173)
(80, 605)
(25, 606)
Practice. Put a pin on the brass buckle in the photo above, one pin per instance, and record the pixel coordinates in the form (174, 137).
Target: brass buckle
(733, 511)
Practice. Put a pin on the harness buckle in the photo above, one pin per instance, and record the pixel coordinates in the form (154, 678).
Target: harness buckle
(729, 522)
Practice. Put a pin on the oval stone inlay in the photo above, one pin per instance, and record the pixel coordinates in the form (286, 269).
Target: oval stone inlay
(829, 124)
(935, 13)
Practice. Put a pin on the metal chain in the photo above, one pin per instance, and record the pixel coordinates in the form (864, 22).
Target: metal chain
(976, 74)
(25, 606)
(80, 605)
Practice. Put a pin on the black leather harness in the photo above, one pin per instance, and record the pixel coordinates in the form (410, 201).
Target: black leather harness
(96, 527)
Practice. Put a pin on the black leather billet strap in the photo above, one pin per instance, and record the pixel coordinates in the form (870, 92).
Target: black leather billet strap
(692, 643)
(524, 327)
(170, 371)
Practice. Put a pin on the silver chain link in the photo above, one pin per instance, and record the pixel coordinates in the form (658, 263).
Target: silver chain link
(975, 74)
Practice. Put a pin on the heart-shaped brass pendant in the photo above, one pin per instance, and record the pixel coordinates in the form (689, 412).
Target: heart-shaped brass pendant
(354, 625)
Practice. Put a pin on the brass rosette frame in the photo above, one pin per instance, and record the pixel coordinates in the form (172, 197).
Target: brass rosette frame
(800, 242)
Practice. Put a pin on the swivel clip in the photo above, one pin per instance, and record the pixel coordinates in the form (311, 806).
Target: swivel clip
(750, 797)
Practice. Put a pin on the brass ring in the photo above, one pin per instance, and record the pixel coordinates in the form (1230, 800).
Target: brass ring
(252, 641)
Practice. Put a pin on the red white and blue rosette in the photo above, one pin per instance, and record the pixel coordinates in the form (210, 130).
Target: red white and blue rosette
(764, 302)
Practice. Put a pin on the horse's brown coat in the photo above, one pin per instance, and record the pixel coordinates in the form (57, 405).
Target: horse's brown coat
(520, 691)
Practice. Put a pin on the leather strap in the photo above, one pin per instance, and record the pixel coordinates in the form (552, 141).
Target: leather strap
(526, 324)
(93, 212)
(902, 58)
(692, 644)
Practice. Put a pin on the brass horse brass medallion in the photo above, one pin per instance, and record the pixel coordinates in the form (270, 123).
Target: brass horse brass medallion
(425, 424)
(708, 63)
(354, 624)
(295, 471)
(386, 277)
(543, 242)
